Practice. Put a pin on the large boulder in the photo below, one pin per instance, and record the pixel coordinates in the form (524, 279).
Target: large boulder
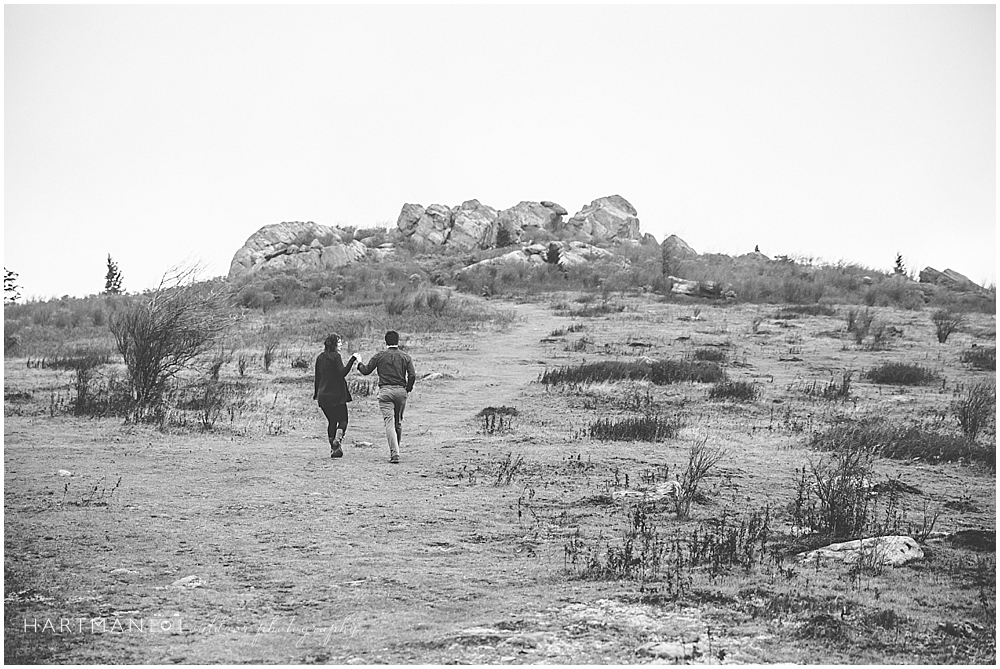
(606, 219)
(474, 225)
(296, 245)
(429, 226)
(527, 217)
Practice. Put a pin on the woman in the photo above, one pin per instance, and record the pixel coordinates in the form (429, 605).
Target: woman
(332, 393)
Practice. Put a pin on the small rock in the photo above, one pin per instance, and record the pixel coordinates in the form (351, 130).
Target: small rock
(669, 650)
(192, 581)
(64, 472)
(363, 444)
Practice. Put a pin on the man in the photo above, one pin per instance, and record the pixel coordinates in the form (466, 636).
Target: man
(395, 381)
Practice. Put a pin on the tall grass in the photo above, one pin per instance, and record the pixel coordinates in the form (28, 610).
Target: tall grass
(658, 372)
(901, 441)
(901, 374)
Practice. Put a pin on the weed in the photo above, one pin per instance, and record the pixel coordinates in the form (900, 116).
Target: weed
(900, 374)
(739, 391)
(241, 364)
(497, 420)
(835, 390)
(643, 428)
(975, 408)
(710, 354)
(507, 469)
(833, 494)
(981, 357)
(300, 362)
(270, 352)
(945, 322)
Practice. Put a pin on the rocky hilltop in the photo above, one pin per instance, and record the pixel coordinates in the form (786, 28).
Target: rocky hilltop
(471, 225)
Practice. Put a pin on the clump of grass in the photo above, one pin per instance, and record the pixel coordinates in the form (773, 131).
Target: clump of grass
(975, 408)
(710, 354)
(900, 374)
(496, 420)
(643, 428)
(658, 372)
(945, 322)
(981, 357)
(901, 441)
(738, 391)
(300, 362)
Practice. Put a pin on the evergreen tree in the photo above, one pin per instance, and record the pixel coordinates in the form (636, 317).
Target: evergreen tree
(113, 279)
(10, 288)
(900, 268)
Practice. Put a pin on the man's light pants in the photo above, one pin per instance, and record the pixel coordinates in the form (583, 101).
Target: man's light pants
(392, 403)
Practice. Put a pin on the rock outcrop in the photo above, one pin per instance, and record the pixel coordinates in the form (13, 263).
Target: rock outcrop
(564, 254)
(526, 218)
(606, 219)
(474, 225)
(296, 245)
(949, 279)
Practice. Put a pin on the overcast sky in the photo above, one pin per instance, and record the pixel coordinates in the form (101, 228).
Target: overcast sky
(172, 133)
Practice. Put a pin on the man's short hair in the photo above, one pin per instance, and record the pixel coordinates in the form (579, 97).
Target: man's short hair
(392, 338)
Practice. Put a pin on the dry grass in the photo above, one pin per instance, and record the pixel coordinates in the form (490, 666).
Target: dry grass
(465, 551)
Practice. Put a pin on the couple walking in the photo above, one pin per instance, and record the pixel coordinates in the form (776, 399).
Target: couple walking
(395, 381)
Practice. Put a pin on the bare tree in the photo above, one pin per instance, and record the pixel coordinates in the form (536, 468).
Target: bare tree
(163, 331)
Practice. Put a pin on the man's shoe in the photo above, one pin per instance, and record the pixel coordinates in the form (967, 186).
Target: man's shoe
(394, 460)
(336, 452)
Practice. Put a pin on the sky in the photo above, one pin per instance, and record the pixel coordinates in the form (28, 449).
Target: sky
(164, 135)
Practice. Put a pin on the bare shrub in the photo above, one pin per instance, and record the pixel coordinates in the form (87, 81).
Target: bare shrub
(702, 458)
(945, 322)
(975, 408)
(270, 352)
(160, 333)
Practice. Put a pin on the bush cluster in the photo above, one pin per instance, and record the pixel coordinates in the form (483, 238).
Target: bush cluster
(658, 372)
(900, 374)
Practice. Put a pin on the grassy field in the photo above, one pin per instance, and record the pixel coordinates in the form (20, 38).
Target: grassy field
(226, 534)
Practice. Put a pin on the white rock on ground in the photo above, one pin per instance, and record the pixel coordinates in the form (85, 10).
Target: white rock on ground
(891, 551)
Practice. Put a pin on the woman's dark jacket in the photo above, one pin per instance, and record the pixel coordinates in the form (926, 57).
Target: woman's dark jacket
(331, 387)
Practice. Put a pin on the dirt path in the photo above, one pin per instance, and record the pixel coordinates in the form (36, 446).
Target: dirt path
(284, 541)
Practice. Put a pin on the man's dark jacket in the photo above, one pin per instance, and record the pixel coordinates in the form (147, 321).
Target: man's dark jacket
(331, 386)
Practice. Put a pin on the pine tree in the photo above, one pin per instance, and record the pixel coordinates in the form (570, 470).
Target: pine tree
(900, 268)
(10, 288)
(113, 279)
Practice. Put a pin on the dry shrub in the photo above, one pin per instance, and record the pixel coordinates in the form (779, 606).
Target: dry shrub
(975, 408)
(164, 331)
(945, 322)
